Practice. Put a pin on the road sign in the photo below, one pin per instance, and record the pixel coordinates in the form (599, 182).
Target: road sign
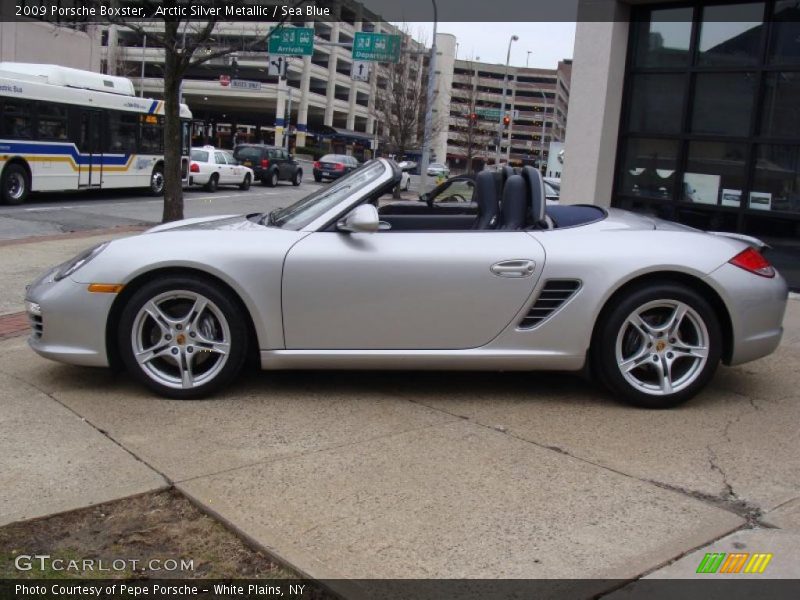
(277, 66)
(376, 47)
(360, 71)
(493, 114)
(244, 84)
(292, 41)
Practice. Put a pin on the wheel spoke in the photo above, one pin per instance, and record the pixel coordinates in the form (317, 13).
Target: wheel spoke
(636, 361)
(664, 375)
(146, 356)
(690, 351)
(159, 316)
(675, 320)
(212, 346)
(194, 314)
(187, 375)
(636, 321)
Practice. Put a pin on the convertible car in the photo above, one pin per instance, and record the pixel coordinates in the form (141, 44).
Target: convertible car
(339, 280)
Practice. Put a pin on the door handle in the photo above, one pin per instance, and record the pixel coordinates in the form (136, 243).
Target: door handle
(513, 268)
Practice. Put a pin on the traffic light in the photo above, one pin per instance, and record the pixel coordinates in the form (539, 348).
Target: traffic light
(506, 121)
(473, 117)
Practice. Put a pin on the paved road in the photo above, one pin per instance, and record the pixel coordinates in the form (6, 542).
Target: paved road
(47, 214)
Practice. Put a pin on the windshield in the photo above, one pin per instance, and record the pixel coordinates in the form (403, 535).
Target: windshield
(306, 210)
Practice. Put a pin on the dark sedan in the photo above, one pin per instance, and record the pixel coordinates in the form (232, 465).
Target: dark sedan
(333, 166)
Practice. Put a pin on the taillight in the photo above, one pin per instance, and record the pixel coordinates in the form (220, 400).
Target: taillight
(339, 167)
(194, 168)
(316, 164)
(752, 260)
(264, 163)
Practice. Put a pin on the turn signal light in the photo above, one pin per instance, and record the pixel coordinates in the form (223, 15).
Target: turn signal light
(752, 260)
(105, 288)
(194, 168)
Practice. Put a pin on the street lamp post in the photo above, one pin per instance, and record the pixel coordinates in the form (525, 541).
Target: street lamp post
(426, 136)
(513, 38)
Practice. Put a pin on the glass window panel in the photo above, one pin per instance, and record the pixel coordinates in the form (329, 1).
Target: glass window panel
(730, 34)
(664, 40)
(714, 174)
(776, 185)
(780, 116)
(723, 103)
(648, 168)
(785, 44)
(656, 103)
(17, 121)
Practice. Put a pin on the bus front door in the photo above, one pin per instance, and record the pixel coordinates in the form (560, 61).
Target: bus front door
(90, 168)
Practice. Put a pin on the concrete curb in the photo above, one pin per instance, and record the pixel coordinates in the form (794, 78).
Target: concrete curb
(75, 234)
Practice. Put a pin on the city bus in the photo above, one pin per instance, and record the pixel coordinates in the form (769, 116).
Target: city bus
(67, 129)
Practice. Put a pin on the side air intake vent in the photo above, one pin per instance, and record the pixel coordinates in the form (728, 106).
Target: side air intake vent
(553, 295)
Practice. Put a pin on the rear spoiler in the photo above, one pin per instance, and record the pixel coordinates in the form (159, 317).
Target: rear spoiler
(751, 241)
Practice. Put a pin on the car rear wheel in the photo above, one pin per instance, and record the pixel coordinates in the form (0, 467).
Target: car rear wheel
(272, 179)
(213, 183)
(245, 185)
(182, 337)
(317, 178)
(658, 346)
(14, 185)
(298, 178)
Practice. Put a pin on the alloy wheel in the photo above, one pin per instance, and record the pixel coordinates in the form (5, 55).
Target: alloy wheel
(15, 185)
(181, 339)
(662, 347)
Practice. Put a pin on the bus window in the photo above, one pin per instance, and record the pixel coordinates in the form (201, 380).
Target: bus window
(151, 140)
(17, 121)
(122, 133)
(52, 122)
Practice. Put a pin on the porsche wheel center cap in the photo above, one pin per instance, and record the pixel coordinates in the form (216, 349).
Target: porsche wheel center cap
(660, 345)
(181, 339)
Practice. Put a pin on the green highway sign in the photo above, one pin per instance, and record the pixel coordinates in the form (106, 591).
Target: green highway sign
(376, 47)
(292, 41)
(488, 113)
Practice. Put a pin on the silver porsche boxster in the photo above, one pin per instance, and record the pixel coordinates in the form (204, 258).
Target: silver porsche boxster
(347, 279)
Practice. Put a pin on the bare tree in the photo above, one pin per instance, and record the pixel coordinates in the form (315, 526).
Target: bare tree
(468, 129)
(400, 100)
(186, 44)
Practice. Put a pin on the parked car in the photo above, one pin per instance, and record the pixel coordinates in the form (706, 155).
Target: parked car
(211, 168)
(552, 189)
(405, 174)
(333, 166)
(647, 306)
(437, 169)
(270, 164)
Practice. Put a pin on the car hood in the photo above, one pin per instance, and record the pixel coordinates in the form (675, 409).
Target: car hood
(217, 222)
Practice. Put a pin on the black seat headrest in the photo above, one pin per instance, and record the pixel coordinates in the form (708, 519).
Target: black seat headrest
(536, 195)
(514, 208)
(486, 199)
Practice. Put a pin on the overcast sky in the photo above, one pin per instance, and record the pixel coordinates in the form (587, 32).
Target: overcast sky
(547, 42)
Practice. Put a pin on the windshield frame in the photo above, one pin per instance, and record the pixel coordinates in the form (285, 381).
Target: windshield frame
(355, 196)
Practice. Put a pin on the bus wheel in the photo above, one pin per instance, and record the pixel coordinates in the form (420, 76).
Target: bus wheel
(157, 182)
(14, 185)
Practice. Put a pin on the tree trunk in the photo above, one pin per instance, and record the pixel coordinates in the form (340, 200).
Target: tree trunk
(173, 186)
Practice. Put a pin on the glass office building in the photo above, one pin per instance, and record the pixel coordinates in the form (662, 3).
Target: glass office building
(710, 127)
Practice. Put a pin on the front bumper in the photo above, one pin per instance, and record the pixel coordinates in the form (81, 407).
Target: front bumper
(71, 326)
(756, 306)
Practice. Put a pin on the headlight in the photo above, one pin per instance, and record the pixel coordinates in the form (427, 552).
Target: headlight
(72, 265)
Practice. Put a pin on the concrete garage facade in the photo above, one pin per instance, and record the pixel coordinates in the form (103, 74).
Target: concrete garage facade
(688, 111)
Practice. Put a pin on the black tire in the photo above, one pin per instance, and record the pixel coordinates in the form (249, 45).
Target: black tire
(15, 184)
(212, 184)
(272, 179)
(317, 178)
(157, 181)
(228, 307)
(245, 185)
(297, 179)
(641, 348)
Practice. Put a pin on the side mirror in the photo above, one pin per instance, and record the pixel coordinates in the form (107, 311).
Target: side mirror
(362, 219)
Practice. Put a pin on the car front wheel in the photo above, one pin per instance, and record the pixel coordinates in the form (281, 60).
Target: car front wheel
(298, 178)
(658, 346)
(182, 337)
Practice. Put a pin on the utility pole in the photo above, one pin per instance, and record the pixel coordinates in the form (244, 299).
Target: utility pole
(426, 141)
(513, 38)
